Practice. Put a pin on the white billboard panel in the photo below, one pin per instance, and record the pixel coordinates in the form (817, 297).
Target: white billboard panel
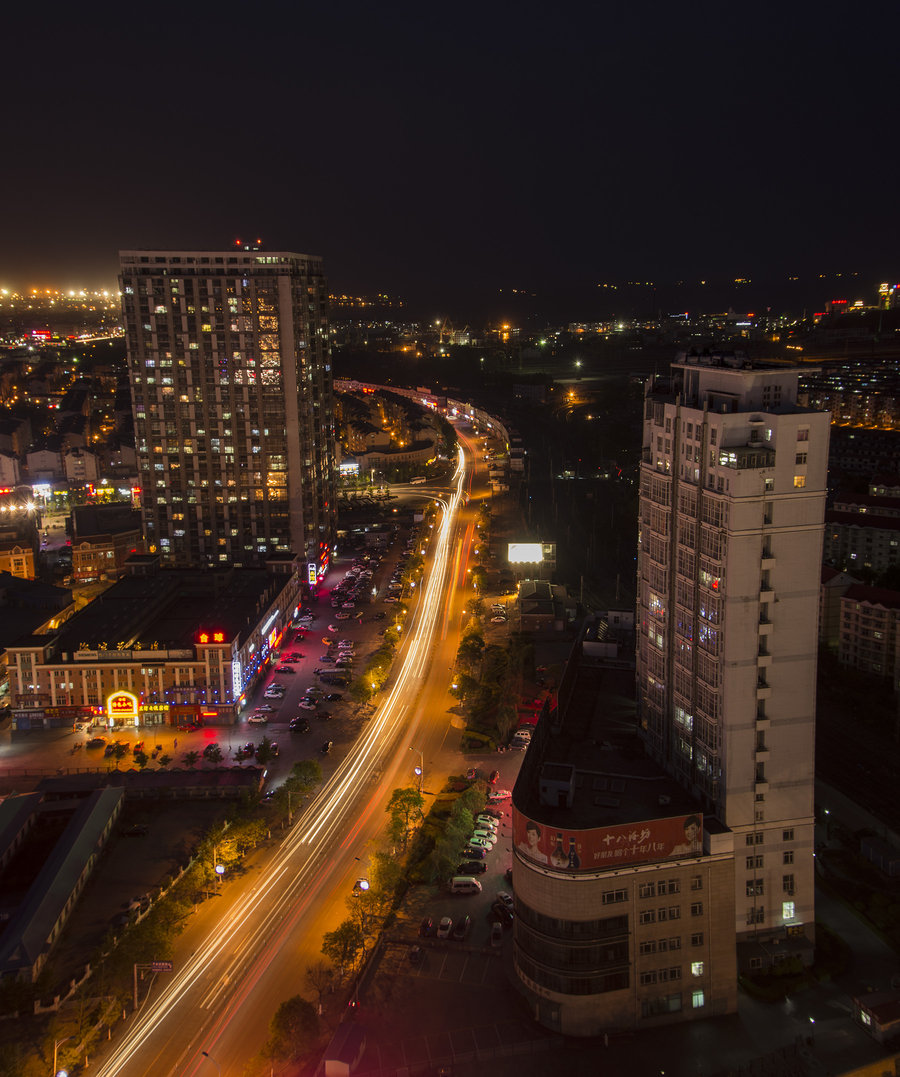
(526, 553)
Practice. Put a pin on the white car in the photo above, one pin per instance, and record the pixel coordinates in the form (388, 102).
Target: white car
(307, 705)
(476, 842)
(498, 620)
(258, 719)
(445, 927)
(345, 644)
(485, 822)
(485, 835)
(343, 616)
(265, 707)
(498, 794)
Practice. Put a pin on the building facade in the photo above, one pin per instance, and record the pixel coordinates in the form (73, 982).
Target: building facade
(230, 370)
(732, 499)
(870, 631)
(624, 899)
(160, 647)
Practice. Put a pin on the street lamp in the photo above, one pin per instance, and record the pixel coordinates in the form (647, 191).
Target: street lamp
(206, 1054)
(56, 1046)
(420, 769)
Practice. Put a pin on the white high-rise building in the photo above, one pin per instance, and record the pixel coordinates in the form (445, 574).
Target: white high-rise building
(732, 500)
(230, 370)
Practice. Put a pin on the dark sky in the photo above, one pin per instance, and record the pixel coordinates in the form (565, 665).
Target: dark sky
(445, 152)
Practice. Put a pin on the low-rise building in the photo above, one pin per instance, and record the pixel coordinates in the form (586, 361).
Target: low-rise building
(869, 637)
(173, 646)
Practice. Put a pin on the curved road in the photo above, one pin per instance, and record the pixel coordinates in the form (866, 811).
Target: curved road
(244, 953)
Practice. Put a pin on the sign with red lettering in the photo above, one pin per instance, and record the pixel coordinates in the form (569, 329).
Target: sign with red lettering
(600, 848)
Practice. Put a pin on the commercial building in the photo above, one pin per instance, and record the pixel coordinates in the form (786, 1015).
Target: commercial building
(624, 894)
(228, 357)
(160, 647)
(732, 500)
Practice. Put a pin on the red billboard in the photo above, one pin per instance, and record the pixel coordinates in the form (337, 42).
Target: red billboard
(563, 849)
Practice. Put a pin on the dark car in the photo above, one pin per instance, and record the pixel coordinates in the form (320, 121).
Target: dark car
(380, 616)
(471, 852)
(326, 715)
(495, 774)
(501, 914)
(326, 747)
(426, 928)
(471, 867)
(492, 812)
(461, 928)
(299, 725)
(334, 697)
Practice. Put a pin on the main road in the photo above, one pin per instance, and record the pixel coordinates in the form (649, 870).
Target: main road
(245, 952)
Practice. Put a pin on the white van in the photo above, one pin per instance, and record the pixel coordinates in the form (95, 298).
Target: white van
(464, 884)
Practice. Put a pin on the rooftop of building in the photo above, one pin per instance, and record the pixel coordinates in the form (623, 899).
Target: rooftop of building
(594, 735)
(862, 520)
(873, 596)
(167, 609)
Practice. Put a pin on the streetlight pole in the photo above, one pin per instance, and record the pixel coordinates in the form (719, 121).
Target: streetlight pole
(56, 1046)
(420, 770)
(206, 1054)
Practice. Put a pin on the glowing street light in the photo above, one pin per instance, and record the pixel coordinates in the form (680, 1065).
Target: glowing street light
(419, 771)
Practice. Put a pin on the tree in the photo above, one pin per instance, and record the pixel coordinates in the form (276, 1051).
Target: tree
(344, 945)
(164, 760)
(213, 754)
(405, 808)
(320, 978)
(294, 1029)
(142, 759)
(306, 774)
(190, 758)
(264, 751)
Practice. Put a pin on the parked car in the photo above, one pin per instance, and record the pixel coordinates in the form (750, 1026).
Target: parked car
(345, 645)
(485, 822)
(445, 927)
(325, 715)
(334, 697)
(284, 669)
(499, 794)
(498, 620)
(506, 899)
(500, 913)
(328, 641)
(461, 928)
(258, 719)
(471, 867)
(474, 852)
(96, 742)
(487, 836)
(299, 725)
(307, 704)
(343, 616)
(426, 928)
(495, 774)
(326, 747)
(491, 813)
(264, 708)
(416, 955)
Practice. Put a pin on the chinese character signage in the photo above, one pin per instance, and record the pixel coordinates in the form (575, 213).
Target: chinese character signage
(122, 705)
(607, 847)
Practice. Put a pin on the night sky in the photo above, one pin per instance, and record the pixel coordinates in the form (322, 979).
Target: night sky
(447, 152)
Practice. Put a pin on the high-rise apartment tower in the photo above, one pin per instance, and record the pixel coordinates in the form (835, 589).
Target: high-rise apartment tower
(228, 358)
(732, 503)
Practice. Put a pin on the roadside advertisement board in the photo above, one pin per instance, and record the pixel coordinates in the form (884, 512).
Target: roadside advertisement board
(563, 849)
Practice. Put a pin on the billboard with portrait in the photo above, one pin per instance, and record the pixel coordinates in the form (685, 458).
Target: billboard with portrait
(599, 848)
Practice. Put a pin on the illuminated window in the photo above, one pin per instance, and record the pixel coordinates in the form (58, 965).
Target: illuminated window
(787, 910)
(799, 481)
(697, 999)
(696, 968)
